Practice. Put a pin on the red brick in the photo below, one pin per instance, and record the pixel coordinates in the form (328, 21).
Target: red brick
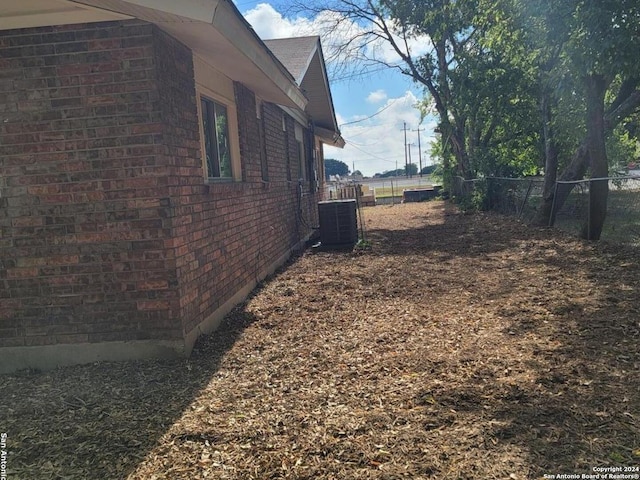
(12, 342)
(62, 260)
(72, 338)
(40, 340)
(152, 305)
(22, 272)
(27, 221)
(129, 232)
(104, 44)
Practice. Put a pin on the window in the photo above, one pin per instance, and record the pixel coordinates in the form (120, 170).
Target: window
(302, 171)
(287, 154)
(215, 126)
(264, 168)
(302, 157)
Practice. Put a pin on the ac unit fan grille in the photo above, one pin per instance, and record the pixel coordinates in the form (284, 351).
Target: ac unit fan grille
(338, 223)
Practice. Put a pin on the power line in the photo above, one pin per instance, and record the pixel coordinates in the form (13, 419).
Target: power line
(370, 116)
(365, 145)
(406, 164)
(371, 154)
(419, 147)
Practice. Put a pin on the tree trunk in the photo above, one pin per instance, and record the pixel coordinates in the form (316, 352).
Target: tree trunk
(454, 138)
(577, 168)
(460, 152)
(596, 87)
(550, 162)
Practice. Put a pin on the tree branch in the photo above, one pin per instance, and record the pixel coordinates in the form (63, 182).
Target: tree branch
(624, 108)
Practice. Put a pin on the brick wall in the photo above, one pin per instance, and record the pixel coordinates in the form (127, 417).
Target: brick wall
(84, 194)
(108, 229)
(242, 228)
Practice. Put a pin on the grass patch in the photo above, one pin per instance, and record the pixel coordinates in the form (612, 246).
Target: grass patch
(387, 192)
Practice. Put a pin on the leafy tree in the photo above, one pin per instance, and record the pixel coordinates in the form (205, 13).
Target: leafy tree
(466, 82)
(519, 86)
(335, 167)
(391, 173)
(591, 47)
(411, 169)
(446, 24)
(428, 170)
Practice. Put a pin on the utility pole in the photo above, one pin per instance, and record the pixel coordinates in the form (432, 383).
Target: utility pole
(406, 164)
(409, 145)
(419, 147)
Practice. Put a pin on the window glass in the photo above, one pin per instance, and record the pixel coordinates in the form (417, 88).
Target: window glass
(302, 157)
(215, 125)
(263, 144)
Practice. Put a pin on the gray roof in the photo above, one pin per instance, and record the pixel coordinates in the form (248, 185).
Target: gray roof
(302, 57)
(294, 53)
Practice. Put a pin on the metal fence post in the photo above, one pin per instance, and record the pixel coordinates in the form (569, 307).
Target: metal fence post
(526, 198)
(552, 214)
(589, 211)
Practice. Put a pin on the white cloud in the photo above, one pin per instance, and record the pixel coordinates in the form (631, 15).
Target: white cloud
(417, 46)
(269, 23)
(336, 31)
(373, 144)
(376, 144)
(377, 96)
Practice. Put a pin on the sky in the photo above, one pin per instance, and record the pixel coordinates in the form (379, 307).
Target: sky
(371, 110)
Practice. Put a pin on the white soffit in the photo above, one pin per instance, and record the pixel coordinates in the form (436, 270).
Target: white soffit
(213, 29)
(329, 137)
(216, 32)
(42, 13)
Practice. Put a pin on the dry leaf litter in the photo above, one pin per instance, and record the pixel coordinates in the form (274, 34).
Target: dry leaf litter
(453, 346)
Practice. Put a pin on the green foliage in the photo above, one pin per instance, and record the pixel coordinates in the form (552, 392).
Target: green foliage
(428, 170)
(475, 198)
(411, 169)
(362, 245)
(445, 171)
(506, 78)
(335, 167)
(400, 172)
(561, 43)
(604, 36)
(622, 149)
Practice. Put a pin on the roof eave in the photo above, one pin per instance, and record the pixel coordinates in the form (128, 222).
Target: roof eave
(239, 53)
(228, 21)
(329, 137)
(328, 90)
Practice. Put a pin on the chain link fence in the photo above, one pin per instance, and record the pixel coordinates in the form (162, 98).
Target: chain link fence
(521, 197)
(510, 196)
(622, 223)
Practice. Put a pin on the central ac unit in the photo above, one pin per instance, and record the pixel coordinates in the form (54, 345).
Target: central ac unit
(338, 223)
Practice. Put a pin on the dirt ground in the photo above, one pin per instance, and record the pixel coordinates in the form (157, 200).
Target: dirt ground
(453, 347)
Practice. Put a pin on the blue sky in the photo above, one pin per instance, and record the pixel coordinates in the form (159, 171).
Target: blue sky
(374, 144)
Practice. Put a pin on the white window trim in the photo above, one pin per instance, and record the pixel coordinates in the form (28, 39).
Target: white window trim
(264, 160)
(234, 137)
(302, 154)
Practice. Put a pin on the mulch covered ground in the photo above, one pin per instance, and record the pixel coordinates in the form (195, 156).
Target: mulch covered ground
(455, 346)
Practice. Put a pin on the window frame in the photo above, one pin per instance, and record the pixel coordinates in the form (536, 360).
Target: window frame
(211, 112)
(303, 173)
(287, 152)
(203, 93)
(264, 161)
